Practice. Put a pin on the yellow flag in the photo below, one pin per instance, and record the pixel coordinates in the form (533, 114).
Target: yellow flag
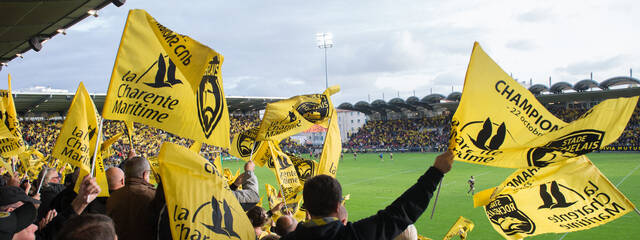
(199, 201)
(273, 199)
(106, 145)
(217, 161)
(100, 175)
(331, 149)
(293, 204)
(420, 237)
(196, 146)
(235, 176)
(291, 116)
(226, 174)
(460, 228)
(77, 138)
(31, 163)
(130, 131)
(500, 123)
(243, 147)
(306, 168)
(153, 163)
(5, 163)
(566, 197)
(11, 142)
(272, 196)
(169, 81)
(284, 170)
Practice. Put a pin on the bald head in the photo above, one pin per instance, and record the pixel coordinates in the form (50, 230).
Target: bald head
(115, 178)
(285, 224)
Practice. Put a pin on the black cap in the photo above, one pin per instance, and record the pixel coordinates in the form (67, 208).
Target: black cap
(16, 221)
(11, 194)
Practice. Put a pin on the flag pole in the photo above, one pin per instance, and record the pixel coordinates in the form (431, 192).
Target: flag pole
(95, 151)
(433, 210)
(638, 212)
(42, 180)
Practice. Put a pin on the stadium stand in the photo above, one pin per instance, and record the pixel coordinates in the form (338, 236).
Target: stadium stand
(423, 124)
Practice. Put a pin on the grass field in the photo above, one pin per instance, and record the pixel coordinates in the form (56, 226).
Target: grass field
(374, 184)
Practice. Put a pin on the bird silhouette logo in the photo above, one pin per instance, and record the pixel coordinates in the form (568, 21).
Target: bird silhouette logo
(92, 131)
(556, 194)
(163, 71)
(7, 122)
(483, 136)
(217, 219)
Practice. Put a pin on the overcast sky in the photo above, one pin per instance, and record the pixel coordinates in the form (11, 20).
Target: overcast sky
(380, 47)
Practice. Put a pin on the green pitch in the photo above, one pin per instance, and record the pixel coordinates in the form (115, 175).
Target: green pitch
(373, 184)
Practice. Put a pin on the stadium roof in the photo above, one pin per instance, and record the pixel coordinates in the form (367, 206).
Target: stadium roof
(59, 102)
(26, 24)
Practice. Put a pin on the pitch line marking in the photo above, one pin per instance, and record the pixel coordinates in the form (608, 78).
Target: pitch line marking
(625, 177)
(621, 181)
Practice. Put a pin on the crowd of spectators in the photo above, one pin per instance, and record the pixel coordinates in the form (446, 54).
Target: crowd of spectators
(146, 140)
(421, 134)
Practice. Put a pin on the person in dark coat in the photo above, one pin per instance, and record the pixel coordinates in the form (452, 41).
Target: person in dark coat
(322, 198)
(129, 205)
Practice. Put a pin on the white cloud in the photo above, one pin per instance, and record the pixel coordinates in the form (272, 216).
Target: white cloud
(381, 46)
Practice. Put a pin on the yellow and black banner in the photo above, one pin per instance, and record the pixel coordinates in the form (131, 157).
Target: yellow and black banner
(244, 146)
(273, 198)
(77, 138)
(169, 81)
(306, 168)
(11, 142)
(199, 201)
(284, 170)
(565, 197)
(331, 149)
(291, 116)
(500, 123)
(460, 228)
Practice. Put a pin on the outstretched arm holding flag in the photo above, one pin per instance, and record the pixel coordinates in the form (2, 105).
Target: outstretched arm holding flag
(322, 195)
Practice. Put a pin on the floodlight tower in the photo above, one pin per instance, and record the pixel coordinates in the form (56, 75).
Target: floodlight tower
(324, 41)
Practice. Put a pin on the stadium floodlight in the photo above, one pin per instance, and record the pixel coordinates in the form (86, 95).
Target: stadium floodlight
(324, 41)
(93, 12)
(62, 30)
(19, 55)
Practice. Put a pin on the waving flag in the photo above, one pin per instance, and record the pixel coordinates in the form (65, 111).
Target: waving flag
(169, 81)
(566, 197)
(76, 141)
(500, 123)
(11, 142)
(200, 203)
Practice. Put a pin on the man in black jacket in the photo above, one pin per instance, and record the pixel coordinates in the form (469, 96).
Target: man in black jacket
(322, 196)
